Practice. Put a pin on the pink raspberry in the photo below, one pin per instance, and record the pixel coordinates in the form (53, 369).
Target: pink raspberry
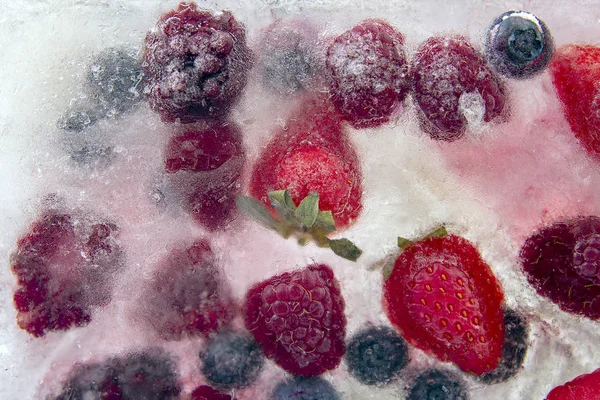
(298, 318)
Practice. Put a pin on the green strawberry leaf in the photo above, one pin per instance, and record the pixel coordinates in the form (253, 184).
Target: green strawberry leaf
(308, 210)
(345, 249)
(257, 211)
(282, 197)
(439, 232)
(325, 221)
(404, 243)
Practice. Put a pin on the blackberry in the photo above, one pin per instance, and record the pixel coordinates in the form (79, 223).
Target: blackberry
(232, 360)
(196, 63)
(376, 355)
(437, 385)
(305, 389)
(515, 348)
(519, 45)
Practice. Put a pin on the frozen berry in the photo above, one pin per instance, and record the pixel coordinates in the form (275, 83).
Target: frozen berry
(187, 295)
(78, 118)
(376, 355)
(288, 56)
(298, 319)
(90, 381)
(196, 63)
(453, 87)
(204, 168)
(519, 45)
(515, 348)
(562, 262)
(231, 360)
(583, 387)
(305, 389)
(205, 392)
(437, 385)
(63, 265)
(368, 73)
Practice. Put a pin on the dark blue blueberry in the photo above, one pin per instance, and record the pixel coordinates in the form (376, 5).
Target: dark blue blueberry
(437, 385)
(78, 118)
(86, 381)
(515, 349)
(287, 71)
(115, 79)
(232, 360)
(376, 355)
(305, 389)
(519, 45)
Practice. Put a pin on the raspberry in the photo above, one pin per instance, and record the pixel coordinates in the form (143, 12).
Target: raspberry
(63, 265)
(205, 392)
(187, 295)
(584, 387)
(368, 73)
(562, 261)
(298, 318)
(453, 86)
(196, 63)
(205, 168)
(437, 385)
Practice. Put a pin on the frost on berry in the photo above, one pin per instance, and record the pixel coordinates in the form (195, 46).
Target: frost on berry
(368, 73)
(562, 262)
(187, 295)
(448, 76)
(298, 318)
(63, 265)
(196, 63)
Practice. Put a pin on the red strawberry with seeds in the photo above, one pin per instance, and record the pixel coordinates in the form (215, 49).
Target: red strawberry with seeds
(63, 265)
(584, 387)
(575, 73)
(445, 300)
(311, 154)
(298, 318)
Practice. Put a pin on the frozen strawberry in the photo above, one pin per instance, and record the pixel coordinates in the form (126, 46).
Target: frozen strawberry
(453, 86)
(584, 387)
(311, 154)
(205, 392)
(445, 300)
(204, 168)
(187, 295)
(196, 63)
(575, 73)
(63, 265)
(368, 71)
(562, 262)
(298, 318)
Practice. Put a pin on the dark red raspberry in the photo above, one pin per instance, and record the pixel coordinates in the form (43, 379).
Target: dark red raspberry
(62, 266)
(562, 262)
(369, 75)
(187, 295)
(298, 318)
(205, 392)
(196, 63)
(453, 86)
(311, 154)
(205, 169)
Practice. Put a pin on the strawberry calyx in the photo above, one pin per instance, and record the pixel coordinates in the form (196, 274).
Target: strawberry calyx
(305, 221)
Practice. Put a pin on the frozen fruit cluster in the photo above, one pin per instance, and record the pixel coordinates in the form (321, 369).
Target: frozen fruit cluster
(63, 266)
(196, 63)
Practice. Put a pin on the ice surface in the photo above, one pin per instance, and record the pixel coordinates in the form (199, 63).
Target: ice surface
(494, 187)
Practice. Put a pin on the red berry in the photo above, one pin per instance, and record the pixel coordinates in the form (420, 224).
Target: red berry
(445, 300)
(205, 392)
(575, 73)
(584, 387)
(196, 63)
(62, 266)
(204, 168)
(452, 83)
(187, 295)
(562, 262)
(298, 318)
(311, 154)
(368, 73)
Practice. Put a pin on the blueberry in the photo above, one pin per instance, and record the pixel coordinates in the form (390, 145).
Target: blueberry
(305, 389)
(231, 360)
(86, 381)
(437, 385)
(287, 71)
(115, 80)
(515, 349)
(519, 45)
(78, 118)
(376, 355)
